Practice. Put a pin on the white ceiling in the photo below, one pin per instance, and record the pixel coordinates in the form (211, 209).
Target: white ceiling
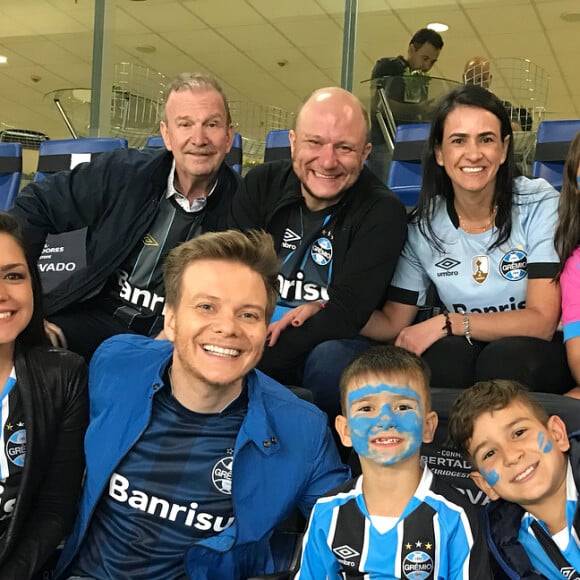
(242, 42)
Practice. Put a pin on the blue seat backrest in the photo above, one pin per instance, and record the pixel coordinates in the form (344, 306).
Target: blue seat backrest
(10, 173)
(405, 170)
(155, 141)
(65, 154)
(234, 158)
(277, 145)
(65, 253)
(551, 149)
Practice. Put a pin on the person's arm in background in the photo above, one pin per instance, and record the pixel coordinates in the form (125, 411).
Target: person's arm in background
(570, 284)
(63, 202)
(407, 291)
(357, 287)
(53, 510)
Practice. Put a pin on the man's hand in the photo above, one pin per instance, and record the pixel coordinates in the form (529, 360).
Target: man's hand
(55, 334)
(419, 337)
(295, 317)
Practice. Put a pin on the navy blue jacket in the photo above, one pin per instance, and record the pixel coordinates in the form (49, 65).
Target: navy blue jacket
(116, 197)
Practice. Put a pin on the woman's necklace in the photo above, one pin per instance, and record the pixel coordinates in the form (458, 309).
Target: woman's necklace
(478, 229)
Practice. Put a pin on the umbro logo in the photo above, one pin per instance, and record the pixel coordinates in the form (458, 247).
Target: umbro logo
(290, 239)
(345, 552)
(447, 264)
(568, 572)
(290, 236)
(149, 240)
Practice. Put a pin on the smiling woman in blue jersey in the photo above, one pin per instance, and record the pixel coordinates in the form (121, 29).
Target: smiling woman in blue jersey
(483, 237)
(43, 417)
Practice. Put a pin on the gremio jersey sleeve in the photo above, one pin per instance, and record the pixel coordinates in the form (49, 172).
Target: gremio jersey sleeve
(467, 275)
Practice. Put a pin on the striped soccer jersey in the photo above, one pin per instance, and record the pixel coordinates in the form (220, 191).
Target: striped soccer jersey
(436, 537)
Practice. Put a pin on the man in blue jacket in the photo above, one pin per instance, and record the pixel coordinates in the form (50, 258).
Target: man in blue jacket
(136, 206)
(193, 457)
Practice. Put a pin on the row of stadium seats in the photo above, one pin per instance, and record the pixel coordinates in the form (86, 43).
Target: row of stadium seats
(404, 176)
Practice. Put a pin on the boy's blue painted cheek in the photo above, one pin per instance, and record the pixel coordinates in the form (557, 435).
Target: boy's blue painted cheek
(544, 444)
(492, 476)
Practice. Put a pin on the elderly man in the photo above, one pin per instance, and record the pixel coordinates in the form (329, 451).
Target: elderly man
(136, 206)
(337, 230)
(193, 457)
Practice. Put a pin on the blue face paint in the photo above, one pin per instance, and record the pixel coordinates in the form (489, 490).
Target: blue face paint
(492, 476)
(386, 420)
(578, 180)
(544, 444)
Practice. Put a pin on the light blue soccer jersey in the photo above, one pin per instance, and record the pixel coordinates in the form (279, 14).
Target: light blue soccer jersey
(436, 537)
(571, 552)
(470, 277)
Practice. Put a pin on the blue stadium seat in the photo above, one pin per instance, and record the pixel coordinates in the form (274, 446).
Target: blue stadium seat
(277, 145)
(10, 173)
(155, 141)
(405, 170)
(551, 149)
(61, 155)
(234, 158)
(65, 253)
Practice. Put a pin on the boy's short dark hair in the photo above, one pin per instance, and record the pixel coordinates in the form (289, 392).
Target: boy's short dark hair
(427, 35)
(484, 397)
(385, 360)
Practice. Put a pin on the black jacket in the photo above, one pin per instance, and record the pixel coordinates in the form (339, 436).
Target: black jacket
(502, 521)
(52, 384)
(116, 198)
(370, 228)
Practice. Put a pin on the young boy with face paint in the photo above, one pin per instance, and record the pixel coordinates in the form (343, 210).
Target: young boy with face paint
(526, 464)
(396, 520)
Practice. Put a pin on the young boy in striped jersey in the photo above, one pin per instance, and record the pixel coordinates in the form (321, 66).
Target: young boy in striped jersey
(396, 520)
(526, 463)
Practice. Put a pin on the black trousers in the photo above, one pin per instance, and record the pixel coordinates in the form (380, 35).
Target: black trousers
(85, 325)
(538, 364)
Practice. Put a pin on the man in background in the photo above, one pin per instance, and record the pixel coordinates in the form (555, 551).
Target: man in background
(422, 54)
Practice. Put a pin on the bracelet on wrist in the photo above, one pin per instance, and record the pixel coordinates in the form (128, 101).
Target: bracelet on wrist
(447, 326)
(467, 328)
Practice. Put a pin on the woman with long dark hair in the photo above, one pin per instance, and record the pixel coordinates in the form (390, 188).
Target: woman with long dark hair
(44, 413)
(483, 238)
(568, 247)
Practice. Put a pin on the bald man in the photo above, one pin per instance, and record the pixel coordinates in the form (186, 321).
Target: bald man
(338, 230)
(476, 72)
